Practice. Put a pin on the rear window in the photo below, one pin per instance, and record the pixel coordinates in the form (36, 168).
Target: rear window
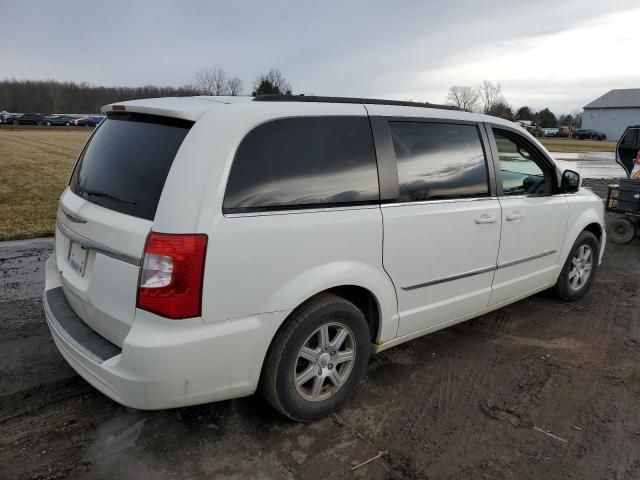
(126, 162)
(303, 163)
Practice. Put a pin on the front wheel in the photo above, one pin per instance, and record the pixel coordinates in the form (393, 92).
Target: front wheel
(580, 268)
(316, 361)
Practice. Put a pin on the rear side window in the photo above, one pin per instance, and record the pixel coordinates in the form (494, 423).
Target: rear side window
(439, 161)
(303, 163)
(125, 164)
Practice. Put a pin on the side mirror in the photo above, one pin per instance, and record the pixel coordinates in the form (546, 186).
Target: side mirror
(570, 182)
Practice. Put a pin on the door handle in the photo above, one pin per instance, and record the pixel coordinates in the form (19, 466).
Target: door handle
(512, 217)
(482, 219)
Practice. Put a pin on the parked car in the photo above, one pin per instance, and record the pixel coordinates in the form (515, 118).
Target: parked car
(25, 119)
(88, 121)
(205, 250)
(58, 120)
(588, 134)
(550, 132)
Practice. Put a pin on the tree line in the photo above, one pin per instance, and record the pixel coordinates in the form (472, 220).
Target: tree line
(52, 96)
(487, 97)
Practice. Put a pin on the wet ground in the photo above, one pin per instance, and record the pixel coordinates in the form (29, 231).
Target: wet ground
(591, 164)
(541, 389)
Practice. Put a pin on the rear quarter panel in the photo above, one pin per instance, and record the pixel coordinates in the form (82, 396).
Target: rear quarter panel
(258, 263)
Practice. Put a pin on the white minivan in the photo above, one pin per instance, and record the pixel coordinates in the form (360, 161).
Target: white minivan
(210, 246)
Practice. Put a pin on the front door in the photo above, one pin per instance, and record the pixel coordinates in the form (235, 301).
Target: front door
(441, 236)
(534, 219)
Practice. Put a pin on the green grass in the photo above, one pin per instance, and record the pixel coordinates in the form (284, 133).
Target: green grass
(566, 145)
(35, 166)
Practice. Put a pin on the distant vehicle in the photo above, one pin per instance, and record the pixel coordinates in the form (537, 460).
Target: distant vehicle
(58, 120)
(550, 132)
(588, 134)
(88, 121)
(566, 130)
(25, 119)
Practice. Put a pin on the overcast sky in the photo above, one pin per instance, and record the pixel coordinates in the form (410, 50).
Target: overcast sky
(556, 53)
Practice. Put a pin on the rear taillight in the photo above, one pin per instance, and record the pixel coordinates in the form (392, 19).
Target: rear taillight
(172, 273)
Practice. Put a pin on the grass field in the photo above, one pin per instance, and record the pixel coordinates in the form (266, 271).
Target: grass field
(36, 163)
(35, 166)
(569, 145)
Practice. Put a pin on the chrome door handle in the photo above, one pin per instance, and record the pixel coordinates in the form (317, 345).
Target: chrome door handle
(482, 219)
(512, 217)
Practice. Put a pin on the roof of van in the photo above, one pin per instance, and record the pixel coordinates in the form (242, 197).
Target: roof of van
(192, 108)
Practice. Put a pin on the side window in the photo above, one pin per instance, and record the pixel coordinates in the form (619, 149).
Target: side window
(631, 139)
(520, 173)
(439, 161)
(304, 162)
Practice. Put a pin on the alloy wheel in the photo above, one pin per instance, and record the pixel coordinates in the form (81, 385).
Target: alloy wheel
(324, 362)
(581, 266)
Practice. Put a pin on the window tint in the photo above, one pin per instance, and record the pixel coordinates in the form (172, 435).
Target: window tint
(126, 162)
(439, 161)
(520, 174)
(631, 139)
(304, 162)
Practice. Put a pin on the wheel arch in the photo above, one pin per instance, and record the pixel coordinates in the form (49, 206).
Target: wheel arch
(587, 220)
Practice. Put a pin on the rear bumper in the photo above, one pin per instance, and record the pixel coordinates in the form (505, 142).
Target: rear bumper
(162, 363)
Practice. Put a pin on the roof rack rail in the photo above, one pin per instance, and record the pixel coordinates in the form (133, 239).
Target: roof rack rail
(372, 101)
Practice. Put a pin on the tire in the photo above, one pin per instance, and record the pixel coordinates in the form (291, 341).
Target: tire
(621, 230)
(567, 287)
(285, 360)
(15, 122)
(48, 124)
(39, 123)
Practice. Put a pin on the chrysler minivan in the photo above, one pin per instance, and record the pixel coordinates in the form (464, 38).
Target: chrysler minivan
(209, 247)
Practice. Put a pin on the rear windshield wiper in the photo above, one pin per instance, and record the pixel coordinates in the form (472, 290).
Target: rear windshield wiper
(96, 193)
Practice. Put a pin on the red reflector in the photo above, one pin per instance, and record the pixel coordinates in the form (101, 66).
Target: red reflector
(116, 108)
(172, 274)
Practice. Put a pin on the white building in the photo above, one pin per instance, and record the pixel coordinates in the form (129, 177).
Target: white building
(613, 112)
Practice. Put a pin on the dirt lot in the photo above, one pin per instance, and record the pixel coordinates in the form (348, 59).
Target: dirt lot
(540, 389)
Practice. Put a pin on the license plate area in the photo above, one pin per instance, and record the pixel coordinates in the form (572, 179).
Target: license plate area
(77, 257)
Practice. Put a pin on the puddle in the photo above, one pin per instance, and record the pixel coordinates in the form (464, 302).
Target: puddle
(591, 164)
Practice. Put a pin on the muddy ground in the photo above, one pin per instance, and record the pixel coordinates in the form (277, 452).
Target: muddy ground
(540, 389)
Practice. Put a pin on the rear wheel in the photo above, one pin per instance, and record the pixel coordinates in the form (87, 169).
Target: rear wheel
(621, 230)
(316, 361)
(580, 268)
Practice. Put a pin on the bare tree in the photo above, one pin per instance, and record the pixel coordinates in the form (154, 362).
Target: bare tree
(270, 83)
(234, 86)
(490, 94)
(212, 81)
(466, 98)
